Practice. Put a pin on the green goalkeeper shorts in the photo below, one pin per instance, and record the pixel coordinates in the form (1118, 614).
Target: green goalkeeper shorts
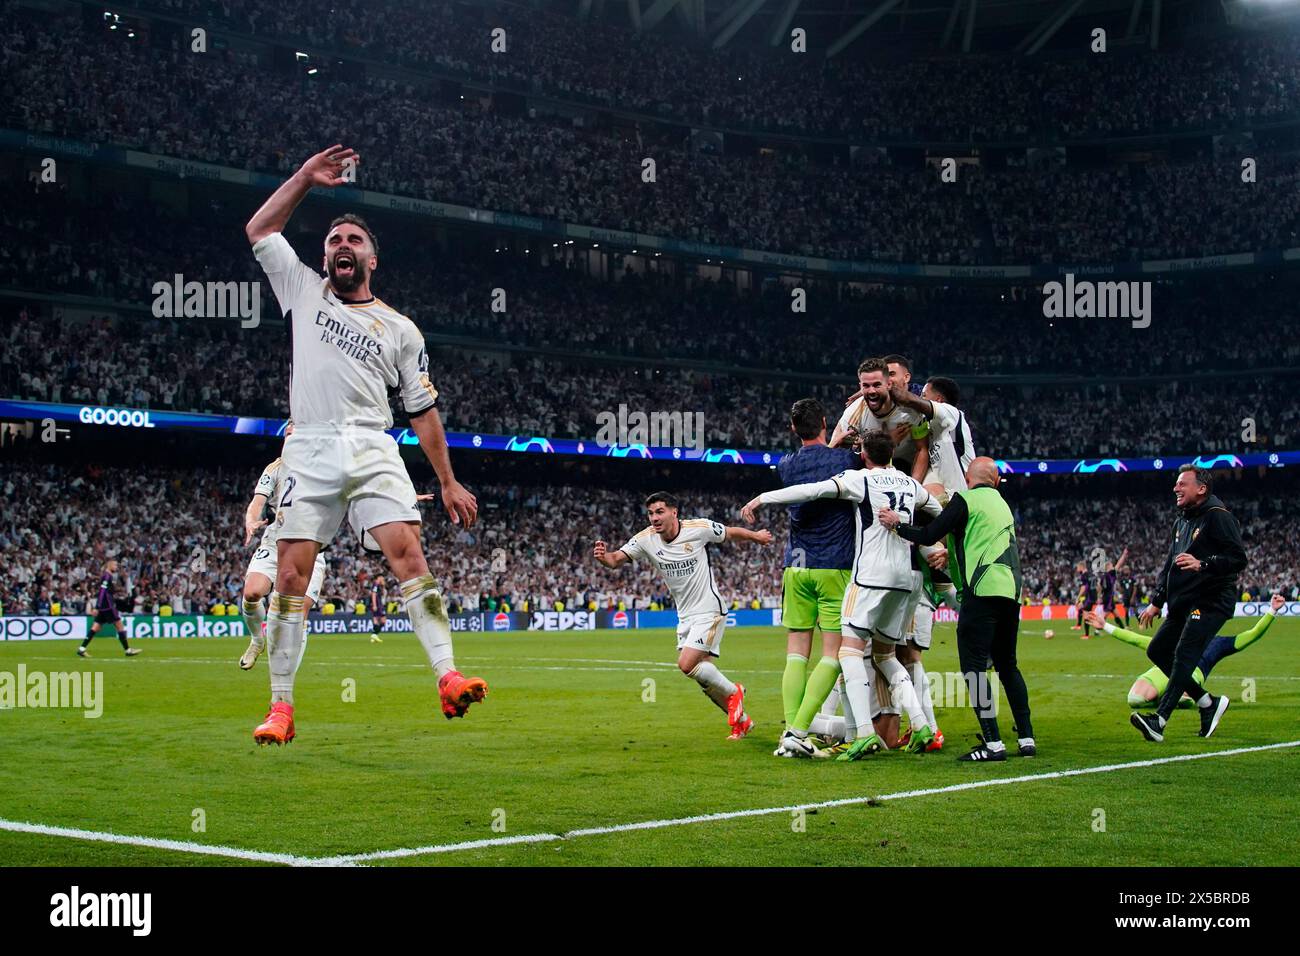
(812, 597)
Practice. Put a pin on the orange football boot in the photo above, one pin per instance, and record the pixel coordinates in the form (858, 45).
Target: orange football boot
(458, 691)
(278, 727)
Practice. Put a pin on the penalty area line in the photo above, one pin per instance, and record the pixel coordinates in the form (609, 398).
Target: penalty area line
(401, 852)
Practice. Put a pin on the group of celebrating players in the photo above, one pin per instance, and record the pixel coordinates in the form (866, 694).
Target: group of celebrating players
(891, 516)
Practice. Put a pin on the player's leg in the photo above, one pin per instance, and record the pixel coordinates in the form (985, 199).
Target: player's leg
(312, 599)
(798, 614)
(1147, 688)
(257, 585)
(858, 696)
(1003, 654)
(699, 642)
(400, 543)
(285, 627)
(1201, 627)
(909, 655)
(884, 655)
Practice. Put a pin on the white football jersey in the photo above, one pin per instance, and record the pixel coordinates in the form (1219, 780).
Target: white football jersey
(271, 484)
(346, 355)
(881, 559)
(951, 447)
(859, 416)
(684, 563)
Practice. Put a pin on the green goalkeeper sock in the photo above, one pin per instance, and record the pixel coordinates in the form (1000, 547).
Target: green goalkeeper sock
(792, 681)
(819, 685)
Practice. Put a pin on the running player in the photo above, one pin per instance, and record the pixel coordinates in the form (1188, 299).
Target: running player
(106, 613)
(879, 605)
(378, 605)
(874, 410)
(260, 576)
(680, 551)
(1152, 684)
(349, 349)
(1128, 588)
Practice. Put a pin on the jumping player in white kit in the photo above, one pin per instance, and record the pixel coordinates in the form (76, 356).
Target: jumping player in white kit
(679, 550)
(260, 577)
(349, 349)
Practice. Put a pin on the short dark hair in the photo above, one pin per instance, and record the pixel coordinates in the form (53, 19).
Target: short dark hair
(945, 387)
(356, 221)
(1203, 476)
(874, 365)
(667, 498)
(878, 448)
(808, 418)
(895, 359)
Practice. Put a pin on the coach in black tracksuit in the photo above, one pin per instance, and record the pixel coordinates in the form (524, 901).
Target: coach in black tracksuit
(1199, 580)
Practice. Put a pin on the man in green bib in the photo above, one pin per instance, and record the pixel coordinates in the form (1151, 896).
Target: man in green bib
(988, 565)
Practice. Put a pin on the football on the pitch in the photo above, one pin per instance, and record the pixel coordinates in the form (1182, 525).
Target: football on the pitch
(1049, 633)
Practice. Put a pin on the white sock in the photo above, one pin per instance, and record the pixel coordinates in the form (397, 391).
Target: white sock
(850, 723)
(857, 690)
(302, 651)
(921, 683)
(429, 621)
(901, 690)
(1026, 741)
(832, 700)
(714, 683)
(995, 745)
(1205, 701)
(828, 726)
(285, 627)
(254, 618)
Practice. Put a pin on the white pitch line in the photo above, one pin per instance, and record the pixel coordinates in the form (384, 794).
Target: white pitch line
(767, 811)
(154, 843)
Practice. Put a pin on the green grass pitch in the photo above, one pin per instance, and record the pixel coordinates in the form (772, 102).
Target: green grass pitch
(566, 741)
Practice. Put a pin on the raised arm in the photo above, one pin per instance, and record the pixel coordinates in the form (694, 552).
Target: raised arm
(794, 495)
(323, 169)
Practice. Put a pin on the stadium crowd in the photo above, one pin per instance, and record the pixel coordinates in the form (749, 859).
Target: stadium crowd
(181, 543)
(238, 113)
(1220, 82)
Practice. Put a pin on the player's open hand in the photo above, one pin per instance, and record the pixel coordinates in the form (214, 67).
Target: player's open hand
(251, 528)
(326, 167)
(462, 507)
(889, 519)
(1148, 615)
(763, 537)
(1188, 562)
(1095, 619)
(749, 511)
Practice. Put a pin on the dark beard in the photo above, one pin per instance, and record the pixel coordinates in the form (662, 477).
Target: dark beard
(349, 283)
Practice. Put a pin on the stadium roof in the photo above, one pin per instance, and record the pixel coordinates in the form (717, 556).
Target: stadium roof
(851, 27)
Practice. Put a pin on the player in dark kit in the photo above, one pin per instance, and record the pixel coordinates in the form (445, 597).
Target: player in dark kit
(106, 613)
(378, 605)
(1109, 582)
(1087, 598)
